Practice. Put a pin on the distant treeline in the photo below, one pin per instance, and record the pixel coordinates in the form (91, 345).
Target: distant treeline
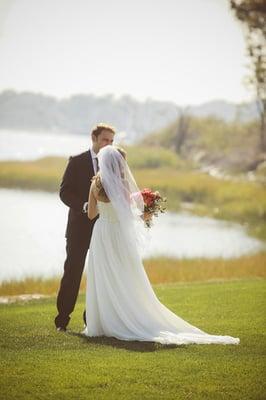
(79, 113)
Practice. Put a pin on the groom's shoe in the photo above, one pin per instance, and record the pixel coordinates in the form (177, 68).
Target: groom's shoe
(61, 329)
(61, 322)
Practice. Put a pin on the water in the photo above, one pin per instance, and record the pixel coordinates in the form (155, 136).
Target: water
(23, 145)
(32, 228)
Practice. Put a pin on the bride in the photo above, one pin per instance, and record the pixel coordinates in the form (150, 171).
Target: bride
(120, 301)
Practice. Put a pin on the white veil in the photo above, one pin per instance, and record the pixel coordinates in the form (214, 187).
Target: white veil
(125, 196)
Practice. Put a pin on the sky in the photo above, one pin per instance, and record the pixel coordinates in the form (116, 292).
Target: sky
(188, 52)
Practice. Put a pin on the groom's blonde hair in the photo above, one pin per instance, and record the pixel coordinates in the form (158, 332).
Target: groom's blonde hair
(102, 127)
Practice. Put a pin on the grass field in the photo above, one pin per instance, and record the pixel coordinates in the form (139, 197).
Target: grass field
(224, 297)
(39, 363)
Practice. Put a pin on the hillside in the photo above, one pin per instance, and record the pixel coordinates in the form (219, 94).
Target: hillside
(214, 145)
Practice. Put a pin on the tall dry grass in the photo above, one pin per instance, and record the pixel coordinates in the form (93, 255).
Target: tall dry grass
(165, 270)
(161, 270)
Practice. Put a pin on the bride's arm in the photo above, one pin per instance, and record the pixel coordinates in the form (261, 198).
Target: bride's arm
(92, 203)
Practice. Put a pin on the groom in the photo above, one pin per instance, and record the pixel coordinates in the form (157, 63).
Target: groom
(74, 192)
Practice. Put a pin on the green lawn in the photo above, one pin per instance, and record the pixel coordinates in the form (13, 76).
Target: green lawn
(39, 363)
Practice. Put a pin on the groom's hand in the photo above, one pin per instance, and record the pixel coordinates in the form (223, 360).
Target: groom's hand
(85, 207)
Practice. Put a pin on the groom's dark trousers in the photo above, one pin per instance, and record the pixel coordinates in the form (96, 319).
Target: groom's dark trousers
(74, 192)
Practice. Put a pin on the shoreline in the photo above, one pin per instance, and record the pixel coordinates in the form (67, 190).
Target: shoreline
(185, 189)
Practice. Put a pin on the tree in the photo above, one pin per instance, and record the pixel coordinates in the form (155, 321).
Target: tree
(252, 14)
(182, 130)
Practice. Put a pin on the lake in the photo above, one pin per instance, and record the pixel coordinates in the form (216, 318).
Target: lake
(33, 225)
(22, 145)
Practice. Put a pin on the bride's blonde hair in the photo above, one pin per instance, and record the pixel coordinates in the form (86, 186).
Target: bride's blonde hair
(100, 190)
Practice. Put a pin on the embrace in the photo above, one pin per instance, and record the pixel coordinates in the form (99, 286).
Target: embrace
(107, 217)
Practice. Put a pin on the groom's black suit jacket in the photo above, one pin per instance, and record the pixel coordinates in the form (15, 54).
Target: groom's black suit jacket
(74, 192)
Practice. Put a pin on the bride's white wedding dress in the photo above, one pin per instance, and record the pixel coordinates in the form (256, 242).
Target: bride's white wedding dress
(120, 301)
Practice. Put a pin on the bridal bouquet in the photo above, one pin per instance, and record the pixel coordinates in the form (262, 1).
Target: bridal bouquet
(153, 204)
